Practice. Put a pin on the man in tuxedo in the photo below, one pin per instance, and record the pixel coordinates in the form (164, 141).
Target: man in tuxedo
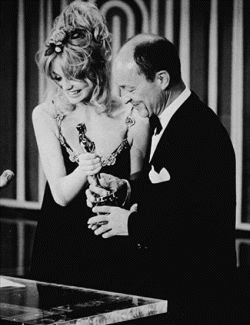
(185, 219)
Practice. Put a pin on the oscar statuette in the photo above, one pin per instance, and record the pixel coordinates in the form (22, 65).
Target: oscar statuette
(89, 146)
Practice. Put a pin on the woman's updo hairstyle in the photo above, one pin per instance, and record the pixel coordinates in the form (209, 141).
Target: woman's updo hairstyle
(82, 42)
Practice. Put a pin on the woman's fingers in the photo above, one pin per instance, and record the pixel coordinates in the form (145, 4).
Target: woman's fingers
(90, 163)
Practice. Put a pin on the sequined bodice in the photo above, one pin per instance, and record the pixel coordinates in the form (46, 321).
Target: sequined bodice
(107, 161)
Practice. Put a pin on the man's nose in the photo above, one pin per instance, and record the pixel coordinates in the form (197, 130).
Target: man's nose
(125, 97)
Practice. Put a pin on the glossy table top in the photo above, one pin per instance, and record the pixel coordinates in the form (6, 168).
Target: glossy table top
(25, 301)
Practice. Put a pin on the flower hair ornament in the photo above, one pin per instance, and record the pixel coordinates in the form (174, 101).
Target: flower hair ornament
(60, 38)
(56, 42)
(54, 47)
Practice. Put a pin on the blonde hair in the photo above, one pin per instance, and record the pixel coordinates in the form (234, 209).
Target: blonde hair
(80, 38)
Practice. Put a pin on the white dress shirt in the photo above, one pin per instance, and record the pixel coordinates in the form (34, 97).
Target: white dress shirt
(165, 117)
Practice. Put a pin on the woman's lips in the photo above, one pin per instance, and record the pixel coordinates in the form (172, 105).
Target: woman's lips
(74, 93)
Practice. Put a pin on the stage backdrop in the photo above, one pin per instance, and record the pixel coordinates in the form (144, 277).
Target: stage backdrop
(213, 41)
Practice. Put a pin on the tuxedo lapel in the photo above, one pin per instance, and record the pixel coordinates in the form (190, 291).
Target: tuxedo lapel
(165, 143)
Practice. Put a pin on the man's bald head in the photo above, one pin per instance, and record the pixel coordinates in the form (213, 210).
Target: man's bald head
(126, 52)
(150, 53)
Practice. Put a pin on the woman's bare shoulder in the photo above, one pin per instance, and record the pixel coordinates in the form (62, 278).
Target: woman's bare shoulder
(139, 131)
(144, 121)
(44, 110)
(44, 115)
(123, 111)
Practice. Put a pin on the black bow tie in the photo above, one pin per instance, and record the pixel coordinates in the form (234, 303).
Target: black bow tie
(155, 124)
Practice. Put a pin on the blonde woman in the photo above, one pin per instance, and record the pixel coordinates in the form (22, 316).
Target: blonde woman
(76, 57)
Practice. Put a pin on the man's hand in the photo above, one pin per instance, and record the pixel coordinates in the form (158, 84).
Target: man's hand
(115, 221)
(108, 183)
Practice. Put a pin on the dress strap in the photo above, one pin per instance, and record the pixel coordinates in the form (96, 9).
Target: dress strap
(59, 118)
(72, 155)
(130, 121)
(111, 159)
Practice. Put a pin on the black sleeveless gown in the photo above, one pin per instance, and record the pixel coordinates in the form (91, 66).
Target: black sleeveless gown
(66, 251)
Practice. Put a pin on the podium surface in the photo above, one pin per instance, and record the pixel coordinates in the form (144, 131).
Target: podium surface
(24, 301)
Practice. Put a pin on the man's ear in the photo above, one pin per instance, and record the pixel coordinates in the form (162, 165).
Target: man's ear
(163, 79)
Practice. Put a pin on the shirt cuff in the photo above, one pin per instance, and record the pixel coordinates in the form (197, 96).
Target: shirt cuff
(128, 195)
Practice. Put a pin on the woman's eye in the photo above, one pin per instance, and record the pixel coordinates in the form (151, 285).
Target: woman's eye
(57, 78)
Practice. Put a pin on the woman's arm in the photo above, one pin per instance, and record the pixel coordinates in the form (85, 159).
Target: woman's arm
(139, 138)
(63, 187)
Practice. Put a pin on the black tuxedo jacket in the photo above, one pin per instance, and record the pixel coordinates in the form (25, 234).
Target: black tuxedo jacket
(184, 227)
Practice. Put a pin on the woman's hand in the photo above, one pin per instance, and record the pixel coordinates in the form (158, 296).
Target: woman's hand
(90, 163)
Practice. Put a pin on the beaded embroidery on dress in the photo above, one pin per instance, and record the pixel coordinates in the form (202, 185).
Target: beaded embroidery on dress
(108, 161)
